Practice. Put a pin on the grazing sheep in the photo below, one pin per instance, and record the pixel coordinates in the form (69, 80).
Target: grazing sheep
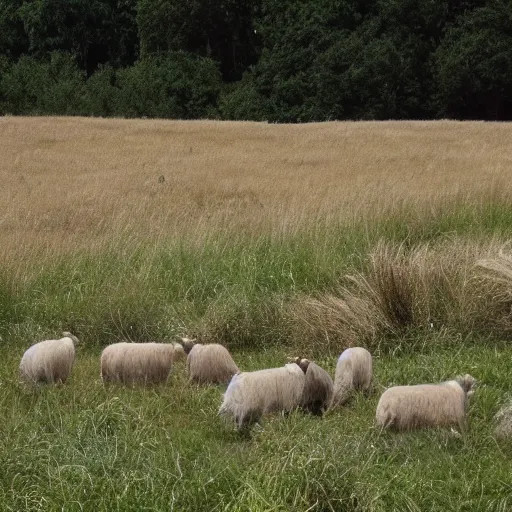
(146, 363)
(209, 364)
(425, 405)
(250, 395)
(49, 361)
(504, 422)
(318, 387)
(354, 370)
(179, 353)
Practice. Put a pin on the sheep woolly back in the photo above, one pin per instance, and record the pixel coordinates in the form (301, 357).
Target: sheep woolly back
(424, 405)
(250, 395)
(210, 364)
(49, 361)
(354, 370)
(179, 352)
(318, 388)
(137, 362)
(503, 420)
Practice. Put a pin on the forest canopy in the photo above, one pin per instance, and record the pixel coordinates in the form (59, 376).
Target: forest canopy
(273, 60)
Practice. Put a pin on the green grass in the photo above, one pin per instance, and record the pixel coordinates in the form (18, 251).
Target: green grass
(86, 447)
(234, 289)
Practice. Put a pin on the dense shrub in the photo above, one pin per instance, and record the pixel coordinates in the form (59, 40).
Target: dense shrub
(53, 86)
(178, 86)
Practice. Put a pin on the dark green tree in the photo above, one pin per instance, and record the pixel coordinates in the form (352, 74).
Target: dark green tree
(177, 86)
(94, 31)
(473, 65)
(222, 30)
(50, 87)
(13, 40)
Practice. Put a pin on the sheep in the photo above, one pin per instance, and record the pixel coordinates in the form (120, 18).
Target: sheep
(209, 364)
(318, 387)
(425, 405)
(147, 363)
(49, 361)
(503, 419)
(179, 352)
(353, 371)
(250, 395)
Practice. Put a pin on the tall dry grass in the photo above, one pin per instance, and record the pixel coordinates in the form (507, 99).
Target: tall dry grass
(71, 183)
(427, 288)
(325, 233)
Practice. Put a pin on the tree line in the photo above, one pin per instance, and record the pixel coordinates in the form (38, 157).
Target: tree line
(274, 60)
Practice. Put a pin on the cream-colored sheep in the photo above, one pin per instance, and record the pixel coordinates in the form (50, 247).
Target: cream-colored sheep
(354, 371)
(209, 364)
(179, 352)
(425, 405)
(503, 420)
(318, 387)
(250, 395)
(49, 361)
(145, 363)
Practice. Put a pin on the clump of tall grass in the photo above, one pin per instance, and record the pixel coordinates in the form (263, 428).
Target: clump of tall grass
(496, 276)
(9, 313)
(424, 288)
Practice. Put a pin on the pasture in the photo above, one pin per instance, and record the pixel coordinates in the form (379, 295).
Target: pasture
(275, 240)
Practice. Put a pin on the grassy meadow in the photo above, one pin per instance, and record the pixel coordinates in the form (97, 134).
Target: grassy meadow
(275, 240)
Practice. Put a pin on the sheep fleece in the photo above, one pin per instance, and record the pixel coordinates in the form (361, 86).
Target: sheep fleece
(211, 364)
(137, 362)
(48, 361)
(318, 388)
(253, 394)
(423, 405)
(354, 370)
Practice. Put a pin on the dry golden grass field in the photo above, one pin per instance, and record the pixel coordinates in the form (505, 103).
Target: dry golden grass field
(70, 183)
(276, 241)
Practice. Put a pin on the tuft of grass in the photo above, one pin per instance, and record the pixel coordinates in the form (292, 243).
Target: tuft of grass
(496, 277)
(400, 290)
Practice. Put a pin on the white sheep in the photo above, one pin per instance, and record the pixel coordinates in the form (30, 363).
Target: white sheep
(318, 387)
(209, 364)
(146, 363)
(179, 352)
(354, 371)
(503, 420)
(49, 361)
(250, 395)
(425, 405)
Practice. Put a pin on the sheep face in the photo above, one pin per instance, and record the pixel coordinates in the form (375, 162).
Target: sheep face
(301, 363)
(467, 383)
(187, 344)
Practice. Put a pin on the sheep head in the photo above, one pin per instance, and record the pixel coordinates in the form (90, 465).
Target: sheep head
(467, 383)
(188, 343)
(67, 334)
(301, 363)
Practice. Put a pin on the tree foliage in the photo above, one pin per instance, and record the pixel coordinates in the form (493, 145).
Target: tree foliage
(275, 60)
(473, 65)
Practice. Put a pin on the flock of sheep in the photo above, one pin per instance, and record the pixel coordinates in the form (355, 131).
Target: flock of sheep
(251, 395)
